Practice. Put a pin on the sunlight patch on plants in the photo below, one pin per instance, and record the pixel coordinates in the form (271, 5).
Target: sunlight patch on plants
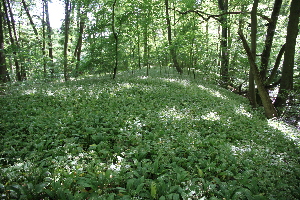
(143, 77)
(213, 92)
(30, 91)
(117, 166)
(211, 116)
(242, 111)
(288, 131)
(172, 80)
(171, 113)
(240, 150)
(125, 85)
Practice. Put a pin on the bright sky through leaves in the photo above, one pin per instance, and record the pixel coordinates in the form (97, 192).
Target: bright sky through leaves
(56, 13)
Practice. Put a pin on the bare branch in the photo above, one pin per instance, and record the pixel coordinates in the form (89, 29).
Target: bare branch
(207, 16)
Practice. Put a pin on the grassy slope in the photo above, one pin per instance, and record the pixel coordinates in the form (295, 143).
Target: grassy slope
(138, 137)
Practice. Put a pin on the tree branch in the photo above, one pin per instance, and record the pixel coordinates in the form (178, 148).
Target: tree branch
(207, 16)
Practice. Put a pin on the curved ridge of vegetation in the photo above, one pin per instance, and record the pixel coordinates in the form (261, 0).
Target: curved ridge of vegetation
(142, 138)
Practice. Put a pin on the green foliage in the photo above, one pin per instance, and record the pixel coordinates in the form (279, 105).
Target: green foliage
(141, 138)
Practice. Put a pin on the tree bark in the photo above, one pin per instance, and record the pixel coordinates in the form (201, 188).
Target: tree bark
(13, 36)
(269, 108)
(30, 18)
(116, 40)
(49, 31)
(145, 55)
(276, 66)
(252, 91)
(4, 76)
(223, 5)
(44, 44)
(77, 52)
(67, 24)
(172, 48)
(265, 57)
(286, 84)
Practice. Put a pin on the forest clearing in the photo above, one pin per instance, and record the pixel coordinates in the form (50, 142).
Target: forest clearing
(137, 137)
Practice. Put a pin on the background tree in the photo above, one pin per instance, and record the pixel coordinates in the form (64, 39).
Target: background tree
(68, 6)
(12, 36)
(265, 56)
(49, 33)
(171, 46)
(4, 76)
(252, 91)
(223, 5)
(286, 83)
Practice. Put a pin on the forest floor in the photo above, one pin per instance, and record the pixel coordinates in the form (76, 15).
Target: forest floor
(137, 137)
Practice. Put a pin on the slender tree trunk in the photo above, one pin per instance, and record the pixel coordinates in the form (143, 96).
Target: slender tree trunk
(116, 40)
(77, 52)
(139, 53)
(4, 76)
(13, 36)
(145, 56)
(49, 31)
(276, 66)
(223, 5)
(67, 24)
(265, 57)
(286, 84)
(269, 108)
(252, 91)
(172, 48)
(30, 18)
(138, 40)
(44, 45)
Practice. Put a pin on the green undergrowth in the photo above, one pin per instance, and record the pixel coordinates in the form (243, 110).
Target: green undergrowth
(140, 137)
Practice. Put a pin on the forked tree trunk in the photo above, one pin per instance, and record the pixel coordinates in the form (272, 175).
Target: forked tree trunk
(269, 108)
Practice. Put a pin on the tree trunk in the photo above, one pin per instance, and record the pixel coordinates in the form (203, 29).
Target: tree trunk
(286, 84)
(116, 39)
(44, 45)
(265, 57)
(269, 108)
(13, 36)
(67, 24)
(276, 66)
(49, 32)
(30, 18)
(223, 5)
(4, 76)
(172, 48)
(145, 56)
(77, 52)
(252, 91)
